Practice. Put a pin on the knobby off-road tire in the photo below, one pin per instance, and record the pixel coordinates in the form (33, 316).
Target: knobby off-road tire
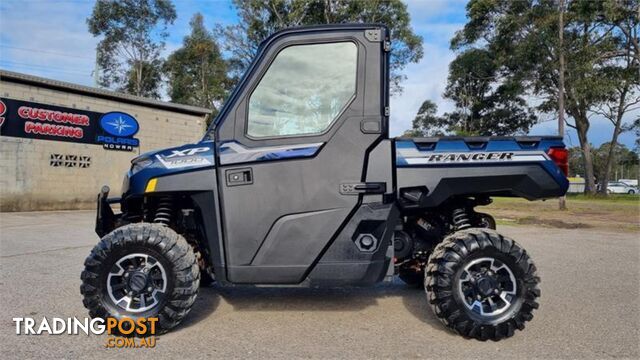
(452, 294)
(120, 262)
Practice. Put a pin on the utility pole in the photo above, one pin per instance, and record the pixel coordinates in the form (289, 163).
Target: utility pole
(563, 199)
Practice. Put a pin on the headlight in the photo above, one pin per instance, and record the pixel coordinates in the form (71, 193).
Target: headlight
(140, 164)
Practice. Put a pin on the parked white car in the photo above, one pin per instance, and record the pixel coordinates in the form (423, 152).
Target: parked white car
(630, 182)
(616, 187)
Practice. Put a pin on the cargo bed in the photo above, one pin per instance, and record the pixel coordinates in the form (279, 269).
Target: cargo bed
(432, 170)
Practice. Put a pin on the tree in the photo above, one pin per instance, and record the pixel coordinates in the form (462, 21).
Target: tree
(624, 163)
(147, 85)
(576, 163)
(635, 127)
(197, 72)
(426, 122)
(133, 33)
(261, 18)
(562, 201)
(523, 37)
(486, 102)
(625, 68)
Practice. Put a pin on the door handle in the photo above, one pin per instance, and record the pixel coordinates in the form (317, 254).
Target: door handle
(363, 188)
(235, 177)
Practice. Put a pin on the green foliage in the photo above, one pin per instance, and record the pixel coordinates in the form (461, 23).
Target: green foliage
(261, 18)
(623, 158)
(576, 165)
(484, 105)
(149, 85)
(523, 38)
(635, 127)
(133, 33)
(197, 73)
(426, 122)
(487, 104)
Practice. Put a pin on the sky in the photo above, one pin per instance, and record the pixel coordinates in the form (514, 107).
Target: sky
(49, 38)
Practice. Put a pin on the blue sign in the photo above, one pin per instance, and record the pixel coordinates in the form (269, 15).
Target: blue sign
(119, 129)
(119, 124)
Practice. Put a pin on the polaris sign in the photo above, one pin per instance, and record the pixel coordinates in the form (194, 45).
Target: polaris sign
(120, 128)
(25, 119)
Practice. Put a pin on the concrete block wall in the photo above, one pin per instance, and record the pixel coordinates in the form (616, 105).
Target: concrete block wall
(28, 181)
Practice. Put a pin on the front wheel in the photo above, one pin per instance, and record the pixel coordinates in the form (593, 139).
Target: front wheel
(631, 192)
(141, 270)
(481, 284)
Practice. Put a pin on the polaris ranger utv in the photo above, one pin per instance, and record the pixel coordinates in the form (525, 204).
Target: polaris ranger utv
(297, 183)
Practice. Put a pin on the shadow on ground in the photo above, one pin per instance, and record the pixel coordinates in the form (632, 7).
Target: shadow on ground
(287, 299)
(205, 304)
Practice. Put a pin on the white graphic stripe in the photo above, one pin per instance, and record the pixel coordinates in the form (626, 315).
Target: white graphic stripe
(522, 156)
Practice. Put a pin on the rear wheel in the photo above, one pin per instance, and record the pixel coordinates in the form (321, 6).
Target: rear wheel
(141, 270)
(481, 284)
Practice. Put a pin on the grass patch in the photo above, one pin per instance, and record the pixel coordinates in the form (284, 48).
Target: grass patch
(556, 223)
(613, 198)
(616, 212)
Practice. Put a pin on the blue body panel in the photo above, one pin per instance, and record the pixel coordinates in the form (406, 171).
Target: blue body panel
(170, 161)
(410, 153)
(200, 156)
(460, 145)
(416, 153)
(232, 152)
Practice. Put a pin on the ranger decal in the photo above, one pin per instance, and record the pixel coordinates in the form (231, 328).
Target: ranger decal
(473, 157)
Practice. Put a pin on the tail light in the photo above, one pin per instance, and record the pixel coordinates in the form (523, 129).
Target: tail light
(560, 157)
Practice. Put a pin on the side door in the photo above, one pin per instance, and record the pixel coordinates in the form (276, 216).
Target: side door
(296, 130)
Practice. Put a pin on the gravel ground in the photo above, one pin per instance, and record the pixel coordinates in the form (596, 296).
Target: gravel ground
(589, 305)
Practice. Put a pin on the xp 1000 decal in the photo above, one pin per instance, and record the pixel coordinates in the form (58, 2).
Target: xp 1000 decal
(25, 119)
(186, 157)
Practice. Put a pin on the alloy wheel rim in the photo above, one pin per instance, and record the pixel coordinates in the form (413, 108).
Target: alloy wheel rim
(487, 286)
(137, 282)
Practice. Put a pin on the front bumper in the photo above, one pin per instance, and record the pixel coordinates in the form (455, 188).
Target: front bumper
(105, 218)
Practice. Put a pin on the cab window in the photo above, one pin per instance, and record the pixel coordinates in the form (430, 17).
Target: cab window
(304, 90)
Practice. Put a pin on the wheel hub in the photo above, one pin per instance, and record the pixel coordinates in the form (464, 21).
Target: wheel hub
(487, 286)
(137, 282)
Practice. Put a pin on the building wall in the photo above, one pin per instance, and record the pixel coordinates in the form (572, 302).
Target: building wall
(29, 182)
